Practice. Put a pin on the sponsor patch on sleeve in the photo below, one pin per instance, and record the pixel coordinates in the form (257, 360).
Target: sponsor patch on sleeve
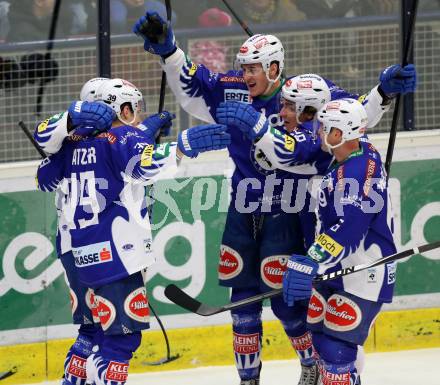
(42, 126)
(192, 70)
(147, 156)
(329, 244)
(289, 143)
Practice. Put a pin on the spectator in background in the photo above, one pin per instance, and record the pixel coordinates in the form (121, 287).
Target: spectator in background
(30, 20)
(4, 20)
(124, 13)
(318, 9)
(211, 53)
(268, 11)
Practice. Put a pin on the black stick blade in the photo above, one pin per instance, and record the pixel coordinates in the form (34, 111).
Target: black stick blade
(179, 297)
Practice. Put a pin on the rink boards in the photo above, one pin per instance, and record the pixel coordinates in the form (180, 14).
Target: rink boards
(35, 318)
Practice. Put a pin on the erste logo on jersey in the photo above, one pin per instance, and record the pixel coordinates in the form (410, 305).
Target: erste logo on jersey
(342, 313)
(94, 254)
(136, 305)
(106, 312)
(317, 306)
(237, 95)
(230, 264)
(272, 270)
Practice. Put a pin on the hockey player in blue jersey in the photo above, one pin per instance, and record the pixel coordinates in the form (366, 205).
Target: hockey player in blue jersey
(104, 177)
(253, 255)
(82, 120)
(354, 226)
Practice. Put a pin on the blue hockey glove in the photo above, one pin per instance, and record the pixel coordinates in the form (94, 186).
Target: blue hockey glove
(203, 138)
(252, 123)
(397, 80)
(89, 118)
(157, 124)
(297, 280)
(158, 37)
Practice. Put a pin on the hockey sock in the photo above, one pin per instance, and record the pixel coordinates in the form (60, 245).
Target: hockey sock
(294, 324)
(303, 347)
(336, 360)
(75, 362)
(110, 364)
(247, 333)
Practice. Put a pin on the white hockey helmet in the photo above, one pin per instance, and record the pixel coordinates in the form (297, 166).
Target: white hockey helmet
(116, 92)
(307, 90)
(347, 115)
(264, 49)
(89, 89)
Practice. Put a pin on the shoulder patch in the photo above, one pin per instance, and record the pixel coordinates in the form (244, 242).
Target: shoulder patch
(289, 143)
(192, 70)
(162, 151)
(43, 126)
(147, 156)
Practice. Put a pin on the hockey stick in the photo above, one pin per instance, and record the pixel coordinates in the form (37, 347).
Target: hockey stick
(9, 373)
(179, 297)
(31, 138)
(47, 56)
(405, 57)
(163, 81)
(238, 18)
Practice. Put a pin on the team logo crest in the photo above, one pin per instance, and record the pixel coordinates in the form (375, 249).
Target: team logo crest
(317, 305)
(230, 264)
(106, 312)
(272, 270)
(136, 305)
(244, 49)
(342, 314)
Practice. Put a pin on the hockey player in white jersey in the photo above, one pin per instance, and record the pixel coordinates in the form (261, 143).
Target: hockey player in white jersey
(104, 177)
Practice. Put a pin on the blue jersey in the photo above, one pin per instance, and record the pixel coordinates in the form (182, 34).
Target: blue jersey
(355, 225)
(103, 181)
(199, 91)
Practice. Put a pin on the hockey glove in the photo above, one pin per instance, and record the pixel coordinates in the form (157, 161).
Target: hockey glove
(157, 124)
(89, 118)
(203, 138)
(297, 280)
(397, 80)
(243, 116)
(158, 36)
